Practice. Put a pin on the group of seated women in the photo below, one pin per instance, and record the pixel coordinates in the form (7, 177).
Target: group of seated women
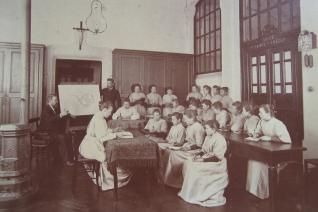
(193, 149)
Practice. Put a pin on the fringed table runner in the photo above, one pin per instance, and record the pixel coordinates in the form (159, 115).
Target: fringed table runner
(127, 124)
(132, 152)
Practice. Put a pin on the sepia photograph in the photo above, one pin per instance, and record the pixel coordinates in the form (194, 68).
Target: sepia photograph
(158, 106)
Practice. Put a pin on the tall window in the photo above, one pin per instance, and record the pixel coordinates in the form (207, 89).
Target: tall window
(207, 37)
(262, 17)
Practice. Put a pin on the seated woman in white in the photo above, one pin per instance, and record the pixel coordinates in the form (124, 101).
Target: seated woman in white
(156, 126)
(176, 107)
(153, 100)
(194, 94)
(251, 119)
(167, 102)
(126, 112)
(92, 147)
(268, 129)
(237, 118)
(207, 93)
(194, 139)
(205, 177)
(207, 113)
(222, 115)
(137, 99)
(175, 138)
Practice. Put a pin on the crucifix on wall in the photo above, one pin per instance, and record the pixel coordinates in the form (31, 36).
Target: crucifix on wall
(81, 32)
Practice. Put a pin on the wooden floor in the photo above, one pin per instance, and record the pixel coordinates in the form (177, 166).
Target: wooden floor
(55, 195)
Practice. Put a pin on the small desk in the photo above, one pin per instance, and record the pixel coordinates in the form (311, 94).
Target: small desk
(131, 152)
(271, 153)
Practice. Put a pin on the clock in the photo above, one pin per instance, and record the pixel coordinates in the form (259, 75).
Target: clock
(306, 41)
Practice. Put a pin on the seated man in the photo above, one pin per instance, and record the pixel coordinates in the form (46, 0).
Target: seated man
(126, 112)
(52, 122)
(156, 126)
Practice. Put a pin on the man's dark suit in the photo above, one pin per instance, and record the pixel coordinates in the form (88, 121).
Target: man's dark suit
(52, 123)
(112, 95)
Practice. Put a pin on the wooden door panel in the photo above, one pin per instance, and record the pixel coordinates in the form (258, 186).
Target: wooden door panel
(154, 72)
(2, 87)
(15, 83)
(180, 78)
(131, 71)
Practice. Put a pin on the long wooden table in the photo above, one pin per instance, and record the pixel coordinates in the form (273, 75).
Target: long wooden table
(271, 153)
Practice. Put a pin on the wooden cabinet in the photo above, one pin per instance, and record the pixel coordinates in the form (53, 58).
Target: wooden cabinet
(10, 81)
(147, 68)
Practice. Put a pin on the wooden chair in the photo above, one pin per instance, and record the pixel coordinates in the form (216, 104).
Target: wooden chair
(79, 160)
(313, 162)
(40, 143)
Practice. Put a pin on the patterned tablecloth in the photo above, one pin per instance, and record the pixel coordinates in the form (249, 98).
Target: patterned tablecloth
(132, 152)
(127, 124)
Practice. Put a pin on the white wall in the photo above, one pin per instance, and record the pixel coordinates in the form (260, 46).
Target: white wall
(231, 68)
(157, 25)
(309, 11)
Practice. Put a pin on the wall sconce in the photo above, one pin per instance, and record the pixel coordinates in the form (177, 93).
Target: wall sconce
(96, 22)
(307, 41)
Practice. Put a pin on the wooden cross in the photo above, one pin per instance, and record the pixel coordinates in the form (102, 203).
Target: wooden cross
(81, 30)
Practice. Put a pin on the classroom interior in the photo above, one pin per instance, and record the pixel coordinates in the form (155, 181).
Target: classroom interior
(264, 51)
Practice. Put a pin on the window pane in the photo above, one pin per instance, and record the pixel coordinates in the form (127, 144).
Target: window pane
(296, 15)
(218, 39)
(207, 43)
(254, 6)
(263, 20)
(206, 24)
(272, 2)
(254, 60)
(245, 8)
(276, 57)
(288, 72)
(218, 19)
(263, 59)
(263, 74)
(246, 29)
(278, 89)
(212, 24)
(255, 89)
(254, 22)
(273, 18)
(218, 59)
(263, 4)
(207, 62)
(201, 26)
(289, 89)
(202, 45)
(212, 61)
(212, 36)
(264, 89)
(207, 7)
(254, 74)
(287, 55)
(197, 28)
(285, 17)
(202, 9)
(217, 4)
(277, 73)
(212, 4)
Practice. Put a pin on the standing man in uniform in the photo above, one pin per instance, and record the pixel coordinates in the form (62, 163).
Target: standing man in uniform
(110, 93)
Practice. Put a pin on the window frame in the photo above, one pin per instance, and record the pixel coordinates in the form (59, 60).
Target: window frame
(207, 34)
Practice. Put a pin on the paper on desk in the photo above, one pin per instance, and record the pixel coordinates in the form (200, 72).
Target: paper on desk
(252, 139)
(124, 134)
(175, 147)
